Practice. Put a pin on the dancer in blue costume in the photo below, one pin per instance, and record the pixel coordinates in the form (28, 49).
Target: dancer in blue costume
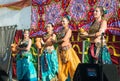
(49, 59)
(25, 68)
(98, 52)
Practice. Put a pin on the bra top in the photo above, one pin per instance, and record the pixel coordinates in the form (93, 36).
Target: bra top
(95, 27)
(23, 44)
(47, 36)
(61, 34)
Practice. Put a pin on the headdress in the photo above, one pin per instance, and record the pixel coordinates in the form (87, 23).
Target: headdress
(68, 17)
(105, 10)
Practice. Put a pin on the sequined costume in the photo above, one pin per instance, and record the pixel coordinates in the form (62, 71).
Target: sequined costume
(49, 61)
(24, 65)
(67, 58)
(98, 46)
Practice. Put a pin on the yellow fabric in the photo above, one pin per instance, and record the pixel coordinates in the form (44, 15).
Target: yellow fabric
(69, 67)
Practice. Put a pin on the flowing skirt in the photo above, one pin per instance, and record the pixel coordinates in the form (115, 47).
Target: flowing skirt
(68, 62)
(49, 65)
(104, 53)
(25, 68)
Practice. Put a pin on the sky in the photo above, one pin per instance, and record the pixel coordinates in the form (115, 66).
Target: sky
(21, 18)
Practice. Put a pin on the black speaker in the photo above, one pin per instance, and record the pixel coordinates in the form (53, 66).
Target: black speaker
(110, 72)
(92, 72)
(3, 75)
(87, 72)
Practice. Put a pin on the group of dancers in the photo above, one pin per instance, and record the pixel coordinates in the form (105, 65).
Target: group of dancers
(60, 64)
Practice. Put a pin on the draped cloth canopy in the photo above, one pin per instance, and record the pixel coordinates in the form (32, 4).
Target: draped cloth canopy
(6, 38)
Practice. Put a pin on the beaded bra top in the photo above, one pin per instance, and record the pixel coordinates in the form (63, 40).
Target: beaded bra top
(94, 27)
(47, 36)
(61, 34)
(23, 44)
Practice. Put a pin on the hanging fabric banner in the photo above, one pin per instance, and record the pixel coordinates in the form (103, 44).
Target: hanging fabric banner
(6, 38)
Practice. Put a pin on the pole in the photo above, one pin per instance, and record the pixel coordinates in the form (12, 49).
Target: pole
(83, 51)
(38, 65)
(101, 63)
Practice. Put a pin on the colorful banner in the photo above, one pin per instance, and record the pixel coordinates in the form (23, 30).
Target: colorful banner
(81, 12)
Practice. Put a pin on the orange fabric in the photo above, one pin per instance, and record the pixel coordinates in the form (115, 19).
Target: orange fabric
(69, 67)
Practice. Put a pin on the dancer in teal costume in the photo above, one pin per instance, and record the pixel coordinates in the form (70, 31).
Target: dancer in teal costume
(49, 59)
(25, 68)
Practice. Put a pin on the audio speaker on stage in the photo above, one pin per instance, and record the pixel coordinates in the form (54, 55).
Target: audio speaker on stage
(92, 72)
(110, 72)
(87, 72)
(3, 75)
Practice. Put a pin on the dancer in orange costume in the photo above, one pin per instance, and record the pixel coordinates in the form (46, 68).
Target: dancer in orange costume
(67, 57)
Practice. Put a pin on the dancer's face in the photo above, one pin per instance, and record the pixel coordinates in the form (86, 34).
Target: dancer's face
(49, 28)
(65, 22)
(26, 34)
(97, 13)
